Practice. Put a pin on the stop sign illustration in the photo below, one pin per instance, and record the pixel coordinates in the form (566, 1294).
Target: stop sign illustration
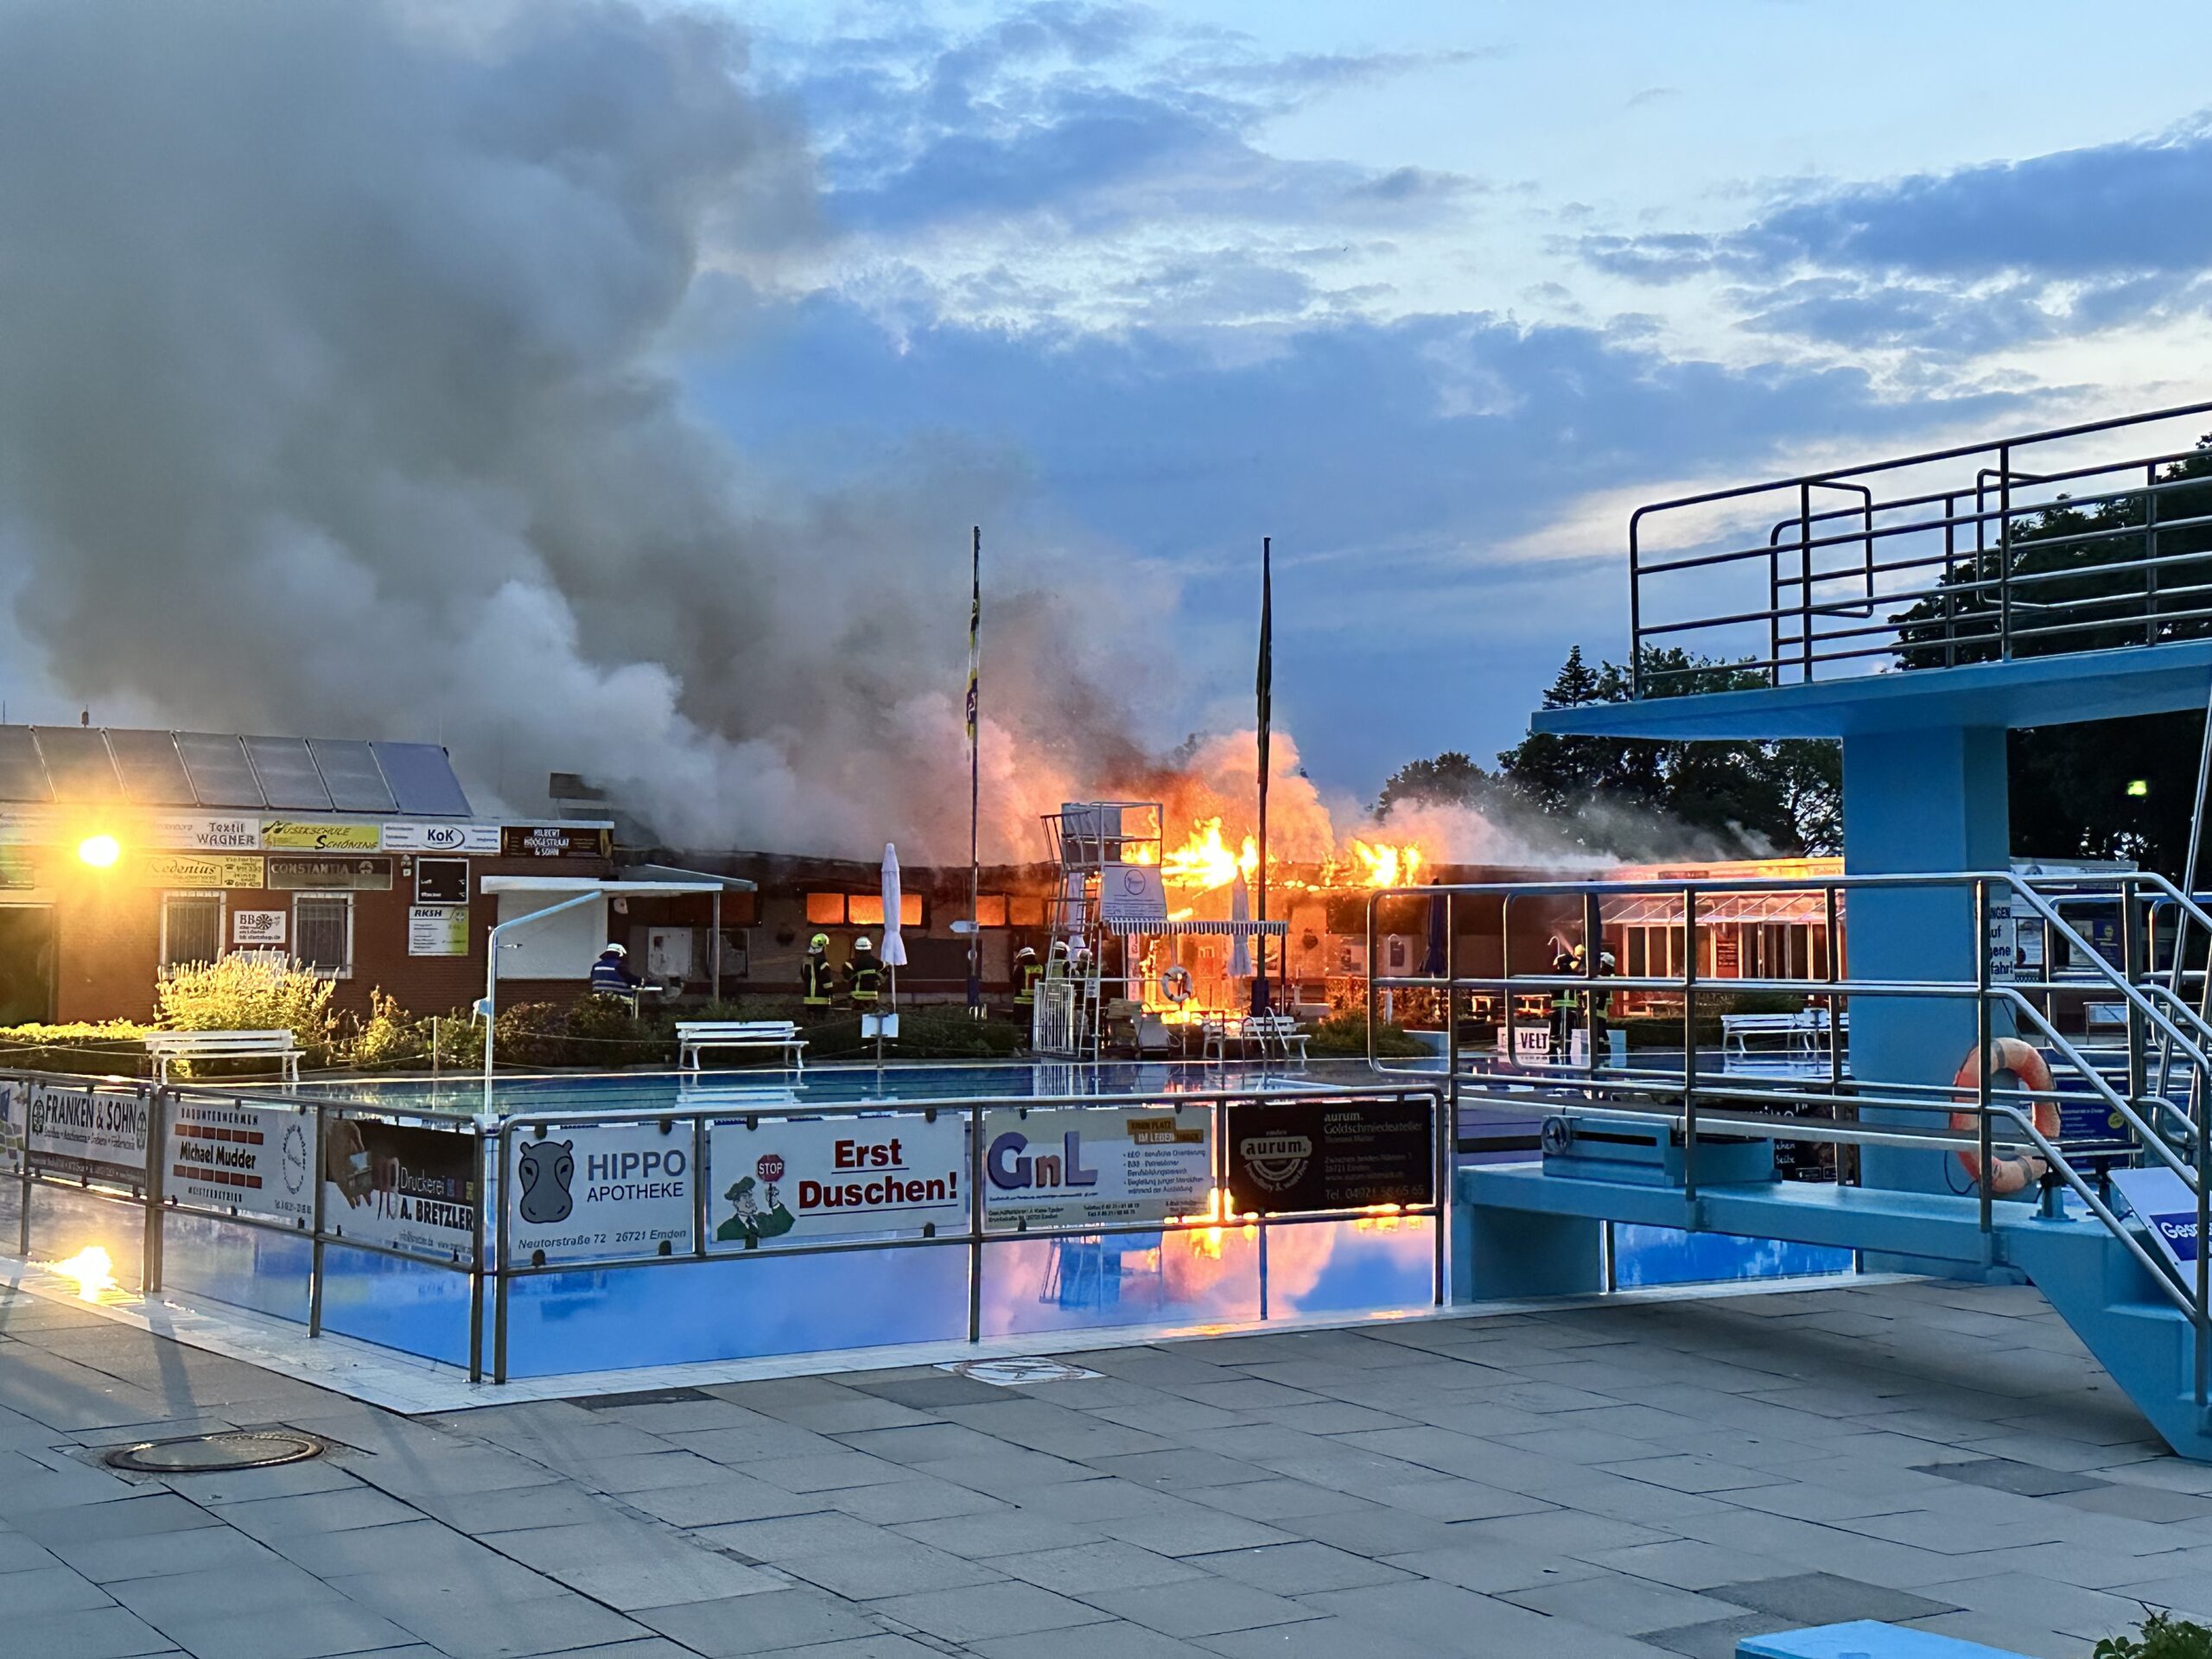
(770, 1168)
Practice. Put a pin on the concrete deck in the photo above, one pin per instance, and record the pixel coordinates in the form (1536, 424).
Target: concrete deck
(1638, 1478)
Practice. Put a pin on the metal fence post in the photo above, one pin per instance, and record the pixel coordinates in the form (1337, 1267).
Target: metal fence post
(316, 1220)
(976, 1223)
(150, 1260)
(476, 1263)
(2005, 552)
(499, 1256)
(1445, 1139)
(2150, 553)
(1689, 1045)
(1982, 1136)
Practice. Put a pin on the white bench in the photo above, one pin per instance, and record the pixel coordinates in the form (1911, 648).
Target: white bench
(695, 1036)
(1809, 1033)
(1217, 1032)
(169, 1046)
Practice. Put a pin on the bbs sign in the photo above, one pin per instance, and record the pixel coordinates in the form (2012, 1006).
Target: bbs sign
(599, 1193)
(1294, 1157)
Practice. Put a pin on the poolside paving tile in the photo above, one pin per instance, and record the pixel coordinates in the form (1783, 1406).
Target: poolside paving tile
(1105, 1565)
(628, 1565)
(87, 1633)
(737, 1628)
(891, 1565)
(1007, 1608)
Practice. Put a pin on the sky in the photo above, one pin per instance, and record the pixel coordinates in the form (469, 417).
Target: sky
(1432, 294)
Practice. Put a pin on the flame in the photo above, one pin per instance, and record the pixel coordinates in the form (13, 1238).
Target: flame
(92, 1268)
(1382, 865)
(1205, 863)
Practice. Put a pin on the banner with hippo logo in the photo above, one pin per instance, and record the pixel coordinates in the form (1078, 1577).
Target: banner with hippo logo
(599, 1193)
(775, 1181)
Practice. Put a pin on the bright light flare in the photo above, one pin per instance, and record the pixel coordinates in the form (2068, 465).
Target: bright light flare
(92, 1269)
(100, 851)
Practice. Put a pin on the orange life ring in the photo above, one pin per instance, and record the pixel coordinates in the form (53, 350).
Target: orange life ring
(1176, 984)
(2022, 1059)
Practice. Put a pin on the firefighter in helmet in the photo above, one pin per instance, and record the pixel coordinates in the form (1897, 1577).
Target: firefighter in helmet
(816, 982)
(864, 974)
(1027, 970)
(1566, 999)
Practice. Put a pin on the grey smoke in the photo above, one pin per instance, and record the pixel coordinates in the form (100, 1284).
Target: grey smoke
(332, 398)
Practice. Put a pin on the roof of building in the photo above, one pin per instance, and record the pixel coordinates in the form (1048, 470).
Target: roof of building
(226, 770)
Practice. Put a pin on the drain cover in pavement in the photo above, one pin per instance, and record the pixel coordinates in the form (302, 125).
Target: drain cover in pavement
(1016, 1373)
(200, 1454)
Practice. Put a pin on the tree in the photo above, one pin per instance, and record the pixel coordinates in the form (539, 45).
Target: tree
(1451, 779)
(1783, 795)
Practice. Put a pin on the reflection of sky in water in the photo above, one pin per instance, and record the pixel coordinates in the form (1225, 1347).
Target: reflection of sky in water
(1664, 1255)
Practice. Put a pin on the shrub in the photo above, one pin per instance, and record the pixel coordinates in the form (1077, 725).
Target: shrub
(2162, 1636)
(1345, 1033)
(249, 991)
(100, 1048)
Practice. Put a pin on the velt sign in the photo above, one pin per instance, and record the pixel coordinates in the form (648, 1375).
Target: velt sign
(1096, 1168)
(599, 1193)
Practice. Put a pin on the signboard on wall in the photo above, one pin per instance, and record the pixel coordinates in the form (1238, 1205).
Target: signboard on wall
(600, 1192)
(441, 837)
(2164, 1204)
(219, 1154)
(309, 835)
(441, 880)
(93, 1133)
(1132, 893)
(1074, 1167)
(258, 930)
(403, 1186)
(197, 870)
(203, 834)
(437, 931)
(1294, 1157)
(295, 873)
(781, 1182)
(552, 841)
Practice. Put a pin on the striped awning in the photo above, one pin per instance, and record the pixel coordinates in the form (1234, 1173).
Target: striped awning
(1154, 928)
(1664, 909)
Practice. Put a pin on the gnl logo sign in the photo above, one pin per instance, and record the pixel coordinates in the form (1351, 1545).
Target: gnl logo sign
(1275, 1161)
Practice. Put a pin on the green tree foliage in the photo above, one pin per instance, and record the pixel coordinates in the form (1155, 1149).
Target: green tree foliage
(2163, 1636)
(2071, 791)
(1451, 779)
(1783, 795)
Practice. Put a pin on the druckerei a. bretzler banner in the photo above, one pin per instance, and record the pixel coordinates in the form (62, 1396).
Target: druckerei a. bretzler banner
(406, 1186)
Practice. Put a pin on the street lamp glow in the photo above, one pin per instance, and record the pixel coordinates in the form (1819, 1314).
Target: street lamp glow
(100, 851)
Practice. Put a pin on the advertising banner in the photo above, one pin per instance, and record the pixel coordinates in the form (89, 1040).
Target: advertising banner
(258, 930)
(1074, 1168)
(2165, 1206)
(441, 880)
(96, 1134)
(786, 1183)
(437, 931)
(220, 1154)
(403, 1186)
(551, 841)
(442, 838)
(1296, 1157)
(1132, 893)
(204, 834)
(197, 870)
(292, 875)
(309, 835)
(590, 1192)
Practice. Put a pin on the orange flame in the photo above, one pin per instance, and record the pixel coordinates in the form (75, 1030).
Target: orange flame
(1205, 862)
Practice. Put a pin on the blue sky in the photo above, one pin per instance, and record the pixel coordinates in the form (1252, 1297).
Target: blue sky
(1434, 293)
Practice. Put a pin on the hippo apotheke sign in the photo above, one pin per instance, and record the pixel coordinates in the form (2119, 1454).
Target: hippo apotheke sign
(601, 1193)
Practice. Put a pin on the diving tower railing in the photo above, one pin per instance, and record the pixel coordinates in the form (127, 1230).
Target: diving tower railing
(1926, 565)
(1693, 1098)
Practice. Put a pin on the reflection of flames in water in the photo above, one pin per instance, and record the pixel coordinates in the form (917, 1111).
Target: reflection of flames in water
(92, 1268)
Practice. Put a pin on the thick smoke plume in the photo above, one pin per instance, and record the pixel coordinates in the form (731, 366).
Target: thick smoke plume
(333, 400)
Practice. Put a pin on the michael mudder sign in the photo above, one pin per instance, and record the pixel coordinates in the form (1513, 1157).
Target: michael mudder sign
(1292, 1157)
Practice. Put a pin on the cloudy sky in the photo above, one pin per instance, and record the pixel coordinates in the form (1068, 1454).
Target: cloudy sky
(1433, 293)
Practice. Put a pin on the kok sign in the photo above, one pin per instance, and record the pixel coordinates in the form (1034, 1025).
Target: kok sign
(601, 1193)
(1096, 1168)
(834, 1178)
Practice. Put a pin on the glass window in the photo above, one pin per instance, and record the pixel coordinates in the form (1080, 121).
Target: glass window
(866, 909)
(990, 910)
(826, 909)
(1024, 912)
(191, 927)
(322, 932)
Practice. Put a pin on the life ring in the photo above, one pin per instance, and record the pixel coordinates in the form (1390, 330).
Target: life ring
(1176, 984)
(2008, 1054)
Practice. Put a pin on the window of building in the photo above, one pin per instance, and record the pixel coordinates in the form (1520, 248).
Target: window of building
(866, 909)
(1024, 912)
(192, 928)
(322, 932)
(826, 909)
(990, 910)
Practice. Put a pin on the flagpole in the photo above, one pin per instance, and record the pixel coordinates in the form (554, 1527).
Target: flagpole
(974, 776)
(1265, 696)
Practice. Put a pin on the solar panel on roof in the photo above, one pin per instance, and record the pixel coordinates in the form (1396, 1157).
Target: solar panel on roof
(350, 769)
(77, 764)
(22, 774)
(220, 776)
(288, 773)
(422, 777)
(152, 773)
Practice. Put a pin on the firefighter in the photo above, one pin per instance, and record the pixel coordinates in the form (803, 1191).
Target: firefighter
(863, 973)
(611, 975)
(1566, 999)
(1601, 1004)
(816, 982)
(1027, 970)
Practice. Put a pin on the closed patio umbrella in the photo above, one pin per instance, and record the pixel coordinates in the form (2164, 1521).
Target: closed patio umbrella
(894, 945)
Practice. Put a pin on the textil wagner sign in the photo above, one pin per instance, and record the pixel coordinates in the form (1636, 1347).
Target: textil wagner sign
(597, 1193)
(96, 1134)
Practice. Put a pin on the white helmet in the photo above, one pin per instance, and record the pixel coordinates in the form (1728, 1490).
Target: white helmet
(862, 944)
(615, 950)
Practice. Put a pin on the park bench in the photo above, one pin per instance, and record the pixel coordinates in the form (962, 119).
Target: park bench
(694, 1037)
(1279, 1031)
(167, 1047)
(1802, 1035)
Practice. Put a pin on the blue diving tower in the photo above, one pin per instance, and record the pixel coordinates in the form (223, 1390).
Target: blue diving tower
(2011, 1069)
